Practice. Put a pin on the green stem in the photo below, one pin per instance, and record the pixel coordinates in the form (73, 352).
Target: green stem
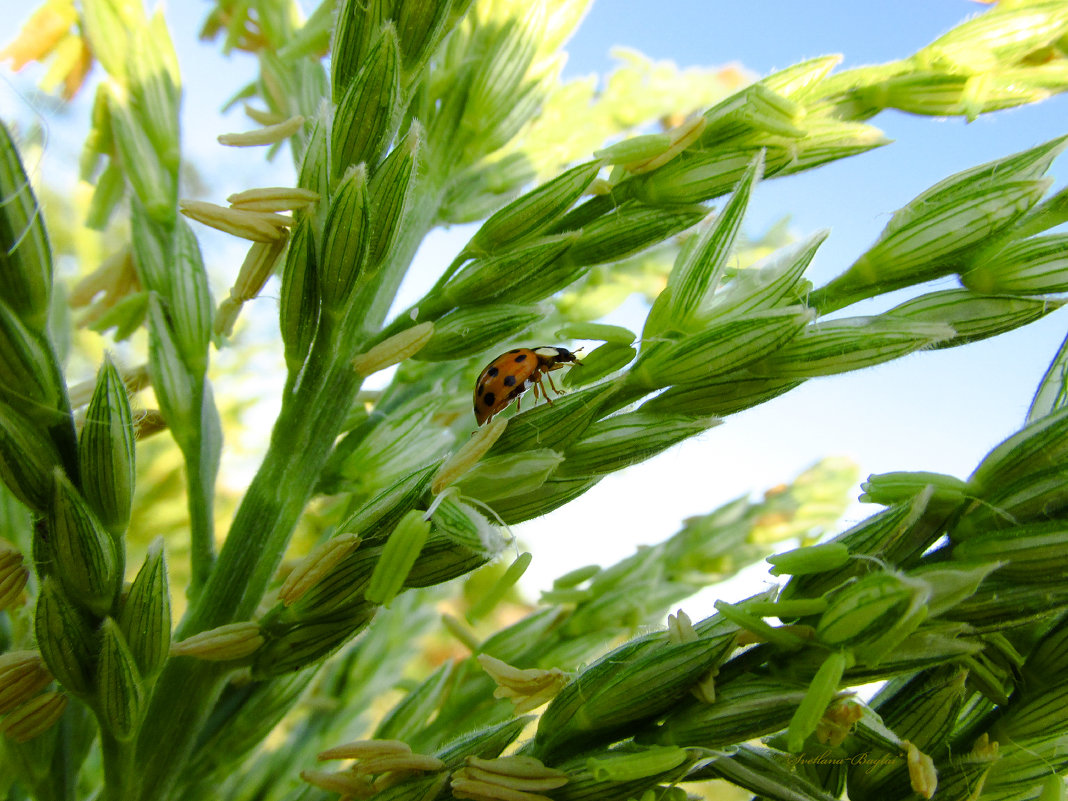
(63, 781)
(450, 271)
(201, 527)
(181, 702)
(202, 466)
(119, 771)
(621, 392)
(300, 443)
(841, 292)
(307, 426)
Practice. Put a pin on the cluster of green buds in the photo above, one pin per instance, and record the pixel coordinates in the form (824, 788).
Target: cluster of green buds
(717, 340)
(135, 114)
(479, 129)
(158, 278)
(716, 348)
(965, 224)
(392, 543)
(101, 643)
(339, 273)
(589, 707)
(654, 159)
(969, 703)
(471, 768)
(715, 345)
(557, 239)
(527, 251)
(981, 65)
(936, 621)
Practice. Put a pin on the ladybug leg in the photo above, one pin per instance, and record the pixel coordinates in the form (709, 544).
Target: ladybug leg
(551, 384)
(544, 391)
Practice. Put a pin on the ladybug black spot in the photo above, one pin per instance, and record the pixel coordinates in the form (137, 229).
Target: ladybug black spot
(509, 380)
(481, 389)
(522, 357)
(492, 372)
(490, 399)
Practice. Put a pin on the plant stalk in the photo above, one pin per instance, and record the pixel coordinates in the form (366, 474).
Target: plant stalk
(303, 436)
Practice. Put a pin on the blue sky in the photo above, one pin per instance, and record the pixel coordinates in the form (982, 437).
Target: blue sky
(937, 411)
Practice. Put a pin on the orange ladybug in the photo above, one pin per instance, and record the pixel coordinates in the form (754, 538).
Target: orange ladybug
(513, 373)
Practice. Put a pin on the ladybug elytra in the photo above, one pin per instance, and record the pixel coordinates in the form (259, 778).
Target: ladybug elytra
(513, 373)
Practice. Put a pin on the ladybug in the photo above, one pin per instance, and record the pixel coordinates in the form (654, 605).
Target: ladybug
(513, 373)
